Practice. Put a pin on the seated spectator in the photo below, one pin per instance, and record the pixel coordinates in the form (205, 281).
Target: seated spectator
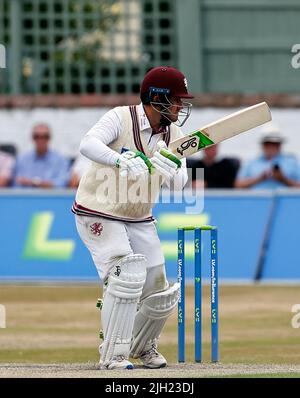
(218, 173)
(7, 163)
(271, 170)
(78, 168)
(42, 167)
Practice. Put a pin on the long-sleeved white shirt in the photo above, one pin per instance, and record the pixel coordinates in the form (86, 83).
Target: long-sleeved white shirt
(95, 143)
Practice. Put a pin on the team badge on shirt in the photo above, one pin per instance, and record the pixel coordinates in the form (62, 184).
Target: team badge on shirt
(96, 228)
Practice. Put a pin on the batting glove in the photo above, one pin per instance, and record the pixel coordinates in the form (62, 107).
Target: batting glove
(134, 164)
(165, 162)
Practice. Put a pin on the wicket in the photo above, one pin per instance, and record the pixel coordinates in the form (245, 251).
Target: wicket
(198, 292)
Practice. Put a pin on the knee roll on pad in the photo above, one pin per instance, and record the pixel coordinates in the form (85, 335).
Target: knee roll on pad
(124, 289)
(127, 278)
(151, 318)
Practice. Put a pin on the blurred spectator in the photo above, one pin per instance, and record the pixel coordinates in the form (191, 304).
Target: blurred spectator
(218, 172)
(272, 169)
(78, 168)
(7, 163)
(42, 167)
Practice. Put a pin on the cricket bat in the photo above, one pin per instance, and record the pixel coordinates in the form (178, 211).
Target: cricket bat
(221, 130)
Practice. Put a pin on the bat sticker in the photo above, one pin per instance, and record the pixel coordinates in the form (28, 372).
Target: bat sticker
(192, 142)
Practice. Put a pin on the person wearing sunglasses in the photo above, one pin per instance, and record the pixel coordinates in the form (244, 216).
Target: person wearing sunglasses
(42, 167)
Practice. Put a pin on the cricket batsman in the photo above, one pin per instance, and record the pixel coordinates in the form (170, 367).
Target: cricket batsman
(130, 145)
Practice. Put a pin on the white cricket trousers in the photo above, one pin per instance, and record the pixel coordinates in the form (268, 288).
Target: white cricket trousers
(109, 240)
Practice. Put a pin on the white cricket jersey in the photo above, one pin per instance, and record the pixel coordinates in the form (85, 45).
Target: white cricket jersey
(122, 128)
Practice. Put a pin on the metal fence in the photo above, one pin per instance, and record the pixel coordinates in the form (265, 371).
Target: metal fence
(106, 46)
(84, 46)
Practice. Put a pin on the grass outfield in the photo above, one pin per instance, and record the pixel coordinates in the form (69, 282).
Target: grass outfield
(295, 375)
(60, 324)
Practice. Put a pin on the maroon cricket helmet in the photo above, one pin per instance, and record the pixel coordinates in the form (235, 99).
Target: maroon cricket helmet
(166, 80)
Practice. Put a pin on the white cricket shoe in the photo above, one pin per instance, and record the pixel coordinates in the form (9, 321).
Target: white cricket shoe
(153, 359)
(117, 362)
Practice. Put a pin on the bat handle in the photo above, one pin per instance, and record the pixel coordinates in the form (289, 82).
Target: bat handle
(161, 145)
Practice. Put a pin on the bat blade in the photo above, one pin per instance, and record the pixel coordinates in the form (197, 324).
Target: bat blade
(221, 130)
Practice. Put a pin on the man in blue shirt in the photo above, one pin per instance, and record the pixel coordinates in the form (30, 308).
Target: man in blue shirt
(271, 170)
(42, 167)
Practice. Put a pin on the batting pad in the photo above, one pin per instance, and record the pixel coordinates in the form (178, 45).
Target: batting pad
(124, 288)
(151, 318)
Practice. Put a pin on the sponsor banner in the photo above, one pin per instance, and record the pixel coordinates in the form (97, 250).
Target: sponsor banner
(283, 254)
(241, 220)
(39, 240)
